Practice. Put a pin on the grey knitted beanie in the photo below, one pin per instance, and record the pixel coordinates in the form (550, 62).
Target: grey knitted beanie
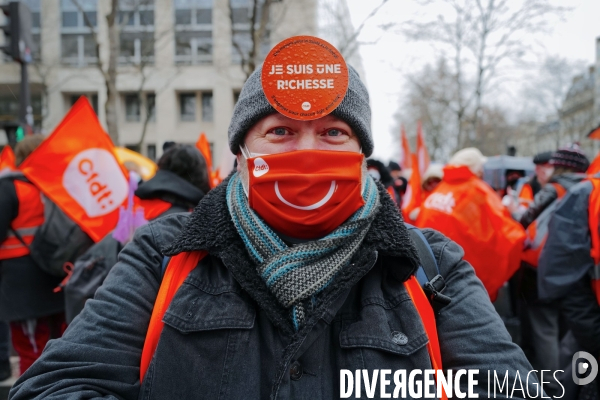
(252, 106)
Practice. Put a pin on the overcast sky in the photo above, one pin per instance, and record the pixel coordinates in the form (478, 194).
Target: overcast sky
(391, 56)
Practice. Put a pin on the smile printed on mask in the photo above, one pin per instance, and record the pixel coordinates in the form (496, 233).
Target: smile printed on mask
(318, 204)
(304, 78)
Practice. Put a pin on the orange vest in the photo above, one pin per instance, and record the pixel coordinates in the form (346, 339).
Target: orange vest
(29, 219)
(537, 231)
(153, 208)
(182, 264)
(525, 195)
(594, 215)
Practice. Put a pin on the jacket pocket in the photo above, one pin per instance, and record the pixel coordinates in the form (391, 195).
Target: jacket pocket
(397, 330)
(198, 307)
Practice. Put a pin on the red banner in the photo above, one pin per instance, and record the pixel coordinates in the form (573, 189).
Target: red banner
(77, 169)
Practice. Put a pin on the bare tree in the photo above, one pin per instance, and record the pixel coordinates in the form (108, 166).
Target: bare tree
(255, 20)
(432, 98)
(480, 38)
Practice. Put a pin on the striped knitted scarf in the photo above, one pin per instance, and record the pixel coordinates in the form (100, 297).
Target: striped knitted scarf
(296, 274)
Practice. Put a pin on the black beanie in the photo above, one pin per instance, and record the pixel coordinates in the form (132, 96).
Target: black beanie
(570, 156)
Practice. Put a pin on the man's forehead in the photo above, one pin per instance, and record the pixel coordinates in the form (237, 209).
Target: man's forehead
(280, 118)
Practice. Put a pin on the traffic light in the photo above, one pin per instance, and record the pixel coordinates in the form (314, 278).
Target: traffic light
(18, 43)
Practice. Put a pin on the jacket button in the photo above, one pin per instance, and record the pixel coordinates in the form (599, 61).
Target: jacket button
(399, 338)
(296, 371)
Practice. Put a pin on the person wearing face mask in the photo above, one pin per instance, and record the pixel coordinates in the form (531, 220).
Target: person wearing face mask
(291, 270)
(467, 210)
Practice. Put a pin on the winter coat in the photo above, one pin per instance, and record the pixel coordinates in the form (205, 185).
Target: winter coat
(564, 268)
(227, 337)
(26, 292)
(528, 275)
(548, 194)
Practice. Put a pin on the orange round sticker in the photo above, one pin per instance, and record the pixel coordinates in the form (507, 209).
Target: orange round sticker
(304, 77)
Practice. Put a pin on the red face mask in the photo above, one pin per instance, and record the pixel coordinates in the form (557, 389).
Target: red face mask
(305, 194)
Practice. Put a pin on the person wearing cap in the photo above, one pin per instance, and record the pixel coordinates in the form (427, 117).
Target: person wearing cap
(569, 164)
(467, 210)
(282, 294)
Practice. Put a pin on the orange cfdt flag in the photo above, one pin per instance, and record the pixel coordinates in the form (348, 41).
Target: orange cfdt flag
(405, 155)
(77, 169)
(422, 153)
(7, 159)
(412, 198)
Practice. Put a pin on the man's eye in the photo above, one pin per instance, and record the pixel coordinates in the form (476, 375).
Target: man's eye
(279, 131)
(334, 132)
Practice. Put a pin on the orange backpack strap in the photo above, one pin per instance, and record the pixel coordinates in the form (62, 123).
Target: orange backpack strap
(413, 287)
(178, 269)
(560, 190)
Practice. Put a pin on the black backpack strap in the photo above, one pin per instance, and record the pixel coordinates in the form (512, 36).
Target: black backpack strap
(428, 273)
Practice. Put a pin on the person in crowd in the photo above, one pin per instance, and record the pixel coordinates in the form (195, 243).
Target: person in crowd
(400, 182)
(27, 297)
(179, 184)
(544, 316)
(568, 273)
(380, 173)
(167, 145)
(569, 165)
(277, 296)
(521, 198)
(431, 179)
(467, 209)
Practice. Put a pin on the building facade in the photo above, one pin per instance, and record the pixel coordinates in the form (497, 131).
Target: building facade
(179, 68)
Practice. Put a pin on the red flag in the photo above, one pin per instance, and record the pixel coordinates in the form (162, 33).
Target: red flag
(77, 169)
(7, 159)
(593, 169)
(412, 198)
(204, 147)
(405, 155)
(422, 153)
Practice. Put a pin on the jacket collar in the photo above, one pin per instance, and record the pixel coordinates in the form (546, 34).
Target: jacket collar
(210, 228)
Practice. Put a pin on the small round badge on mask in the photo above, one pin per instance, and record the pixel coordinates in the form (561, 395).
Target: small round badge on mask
(304, 77)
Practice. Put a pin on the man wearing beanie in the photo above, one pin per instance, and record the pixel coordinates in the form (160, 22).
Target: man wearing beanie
(544, 316)
(288, 274)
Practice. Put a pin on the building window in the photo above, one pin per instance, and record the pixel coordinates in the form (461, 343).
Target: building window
(151, 151)
(136, 21)
(92, 97)
(132, 108)
(78, 47)
(193, 31)
(187, 104)
(207, 107)
(151, 107)
(241, 12)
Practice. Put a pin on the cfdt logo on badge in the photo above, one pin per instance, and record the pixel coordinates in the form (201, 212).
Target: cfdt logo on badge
(584, 368)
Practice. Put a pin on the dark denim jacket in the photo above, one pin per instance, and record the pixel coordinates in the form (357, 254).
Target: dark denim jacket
(224, 338)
